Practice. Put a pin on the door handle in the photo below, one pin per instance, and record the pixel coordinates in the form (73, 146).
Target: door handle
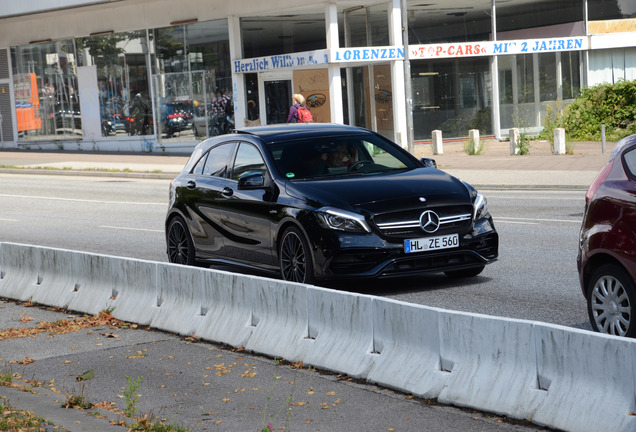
(191, 184)
(228, 192)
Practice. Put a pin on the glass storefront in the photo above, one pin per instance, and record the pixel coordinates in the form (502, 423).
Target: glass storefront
(453, 96)
(524, 95)
(610, 9)
(192, 81)
(46, 91)
(530, 82)
(175, 83)
(520, 19)
(364, 26)
(125, 105)
(273, 35)
(440, 21)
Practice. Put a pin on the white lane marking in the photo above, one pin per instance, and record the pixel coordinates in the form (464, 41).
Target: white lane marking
(535, 198)
(82, 200)
(129, 229)
(515, 222)
(9, 220)
(528, 220)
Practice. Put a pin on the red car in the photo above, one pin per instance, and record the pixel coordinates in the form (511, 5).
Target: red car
(607, 245)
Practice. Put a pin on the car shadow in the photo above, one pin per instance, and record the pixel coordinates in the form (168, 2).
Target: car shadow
(406, 285)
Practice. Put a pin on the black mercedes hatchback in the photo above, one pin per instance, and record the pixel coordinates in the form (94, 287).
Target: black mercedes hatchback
(320, 202)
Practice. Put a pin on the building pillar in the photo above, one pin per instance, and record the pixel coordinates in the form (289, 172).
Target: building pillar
(238, 80)
(397, 77)
(335, 80)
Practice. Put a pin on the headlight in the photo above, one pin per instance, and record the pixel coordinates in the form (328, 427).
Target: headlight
(480, 204)
(342, 220)
(480, 207)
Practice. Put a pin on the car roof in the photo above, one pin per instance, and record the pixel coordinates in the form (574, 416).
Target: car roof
(292, 131)
(623, 144)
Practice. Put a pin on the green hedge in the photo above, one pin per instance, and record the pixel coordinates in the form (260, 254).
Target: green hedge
(611, 104)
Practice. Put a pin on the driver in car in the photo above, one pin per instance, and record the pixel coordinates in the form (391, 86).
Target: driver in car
(336, 158)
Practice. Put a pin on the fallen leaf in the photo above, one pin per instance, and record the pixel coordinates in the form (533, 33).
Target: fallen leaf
(110, 335)
(25, 318)
(331, 393)
(226, 399)
(90, 374)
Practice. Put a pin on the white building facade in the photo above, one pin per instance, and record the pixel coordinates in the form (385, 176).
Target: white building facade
(158, 75)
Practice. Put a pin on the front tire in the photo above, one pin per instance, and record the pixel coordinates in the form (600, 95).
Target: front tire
(180, 246)
(611, 296)
(296, 263)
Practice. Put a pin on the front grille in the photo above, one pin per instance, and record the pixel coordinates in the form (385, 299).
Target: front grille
(406, 226)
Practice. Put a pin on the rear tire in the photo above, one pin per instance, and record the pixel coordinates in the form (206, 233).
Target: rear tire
(466, 273)
(611, 296)
(294, 256)
(180, 245)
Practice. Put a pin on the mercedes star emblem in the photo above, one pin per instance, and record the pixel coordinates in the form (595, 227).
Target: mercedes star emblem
(429, 221)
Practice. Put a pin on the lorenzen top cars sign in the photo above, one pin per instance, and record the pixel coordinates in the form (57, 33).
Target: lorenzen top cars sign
(429, 51)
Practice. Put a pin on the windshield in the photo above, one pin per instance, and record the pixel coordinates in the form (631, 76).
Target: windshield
(336, 156)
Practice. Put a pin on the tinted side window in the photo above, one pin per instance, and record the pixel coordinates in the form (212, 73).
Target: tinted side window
(629, 159)
(198, 168)
(217, 161)
(248, 158)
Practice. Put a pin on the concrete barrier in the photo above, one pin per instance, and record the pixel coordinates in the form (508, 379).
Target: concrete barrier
(280, 308)
(93, 287)
(56, 275)
(341, 330)
(559, 377)
(227, 301)
(134, 290)
(179, 299)
(18, 270)
(407, 340)
(491, 363)
(588, 380)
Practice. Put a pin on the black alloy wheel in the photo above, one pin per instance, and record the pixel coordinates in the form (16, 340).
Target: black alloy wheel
(296, 264)
(180, 246)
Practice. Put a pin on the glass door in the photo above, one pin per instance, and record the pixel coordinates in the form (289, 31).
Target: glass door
(277, 91)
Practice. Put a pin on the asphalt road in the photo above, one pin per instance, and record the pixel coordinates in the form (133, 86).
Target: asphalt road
(535, 277)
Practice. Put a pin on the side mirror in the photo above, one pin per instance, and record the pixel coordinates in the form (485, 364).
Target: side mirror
(252, 180)
(428, 162)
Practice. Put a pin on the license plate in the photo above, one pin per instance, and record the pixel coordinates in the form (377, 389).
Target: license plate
(431, 243)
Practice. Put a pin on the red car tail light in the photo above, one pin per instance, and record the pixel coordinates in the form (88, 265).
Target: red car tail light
(600, 178)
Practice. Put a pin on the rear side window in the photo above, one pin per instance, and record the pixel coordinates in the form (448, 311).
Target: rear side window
(215, 162)
(248, 158)
(629, 161)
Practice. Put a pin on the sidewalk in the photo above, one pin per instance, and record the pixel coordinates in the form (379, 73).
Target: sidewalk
(495, 167)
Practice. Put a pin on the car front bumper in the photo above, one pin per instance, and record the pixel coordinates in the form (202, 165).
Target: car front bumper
(345, 256)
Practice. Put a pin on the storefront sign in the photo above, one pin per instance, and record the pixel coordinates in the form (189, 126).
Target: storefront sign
(489, 48)
(432, 51)
(276, 62)
(368, 54)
